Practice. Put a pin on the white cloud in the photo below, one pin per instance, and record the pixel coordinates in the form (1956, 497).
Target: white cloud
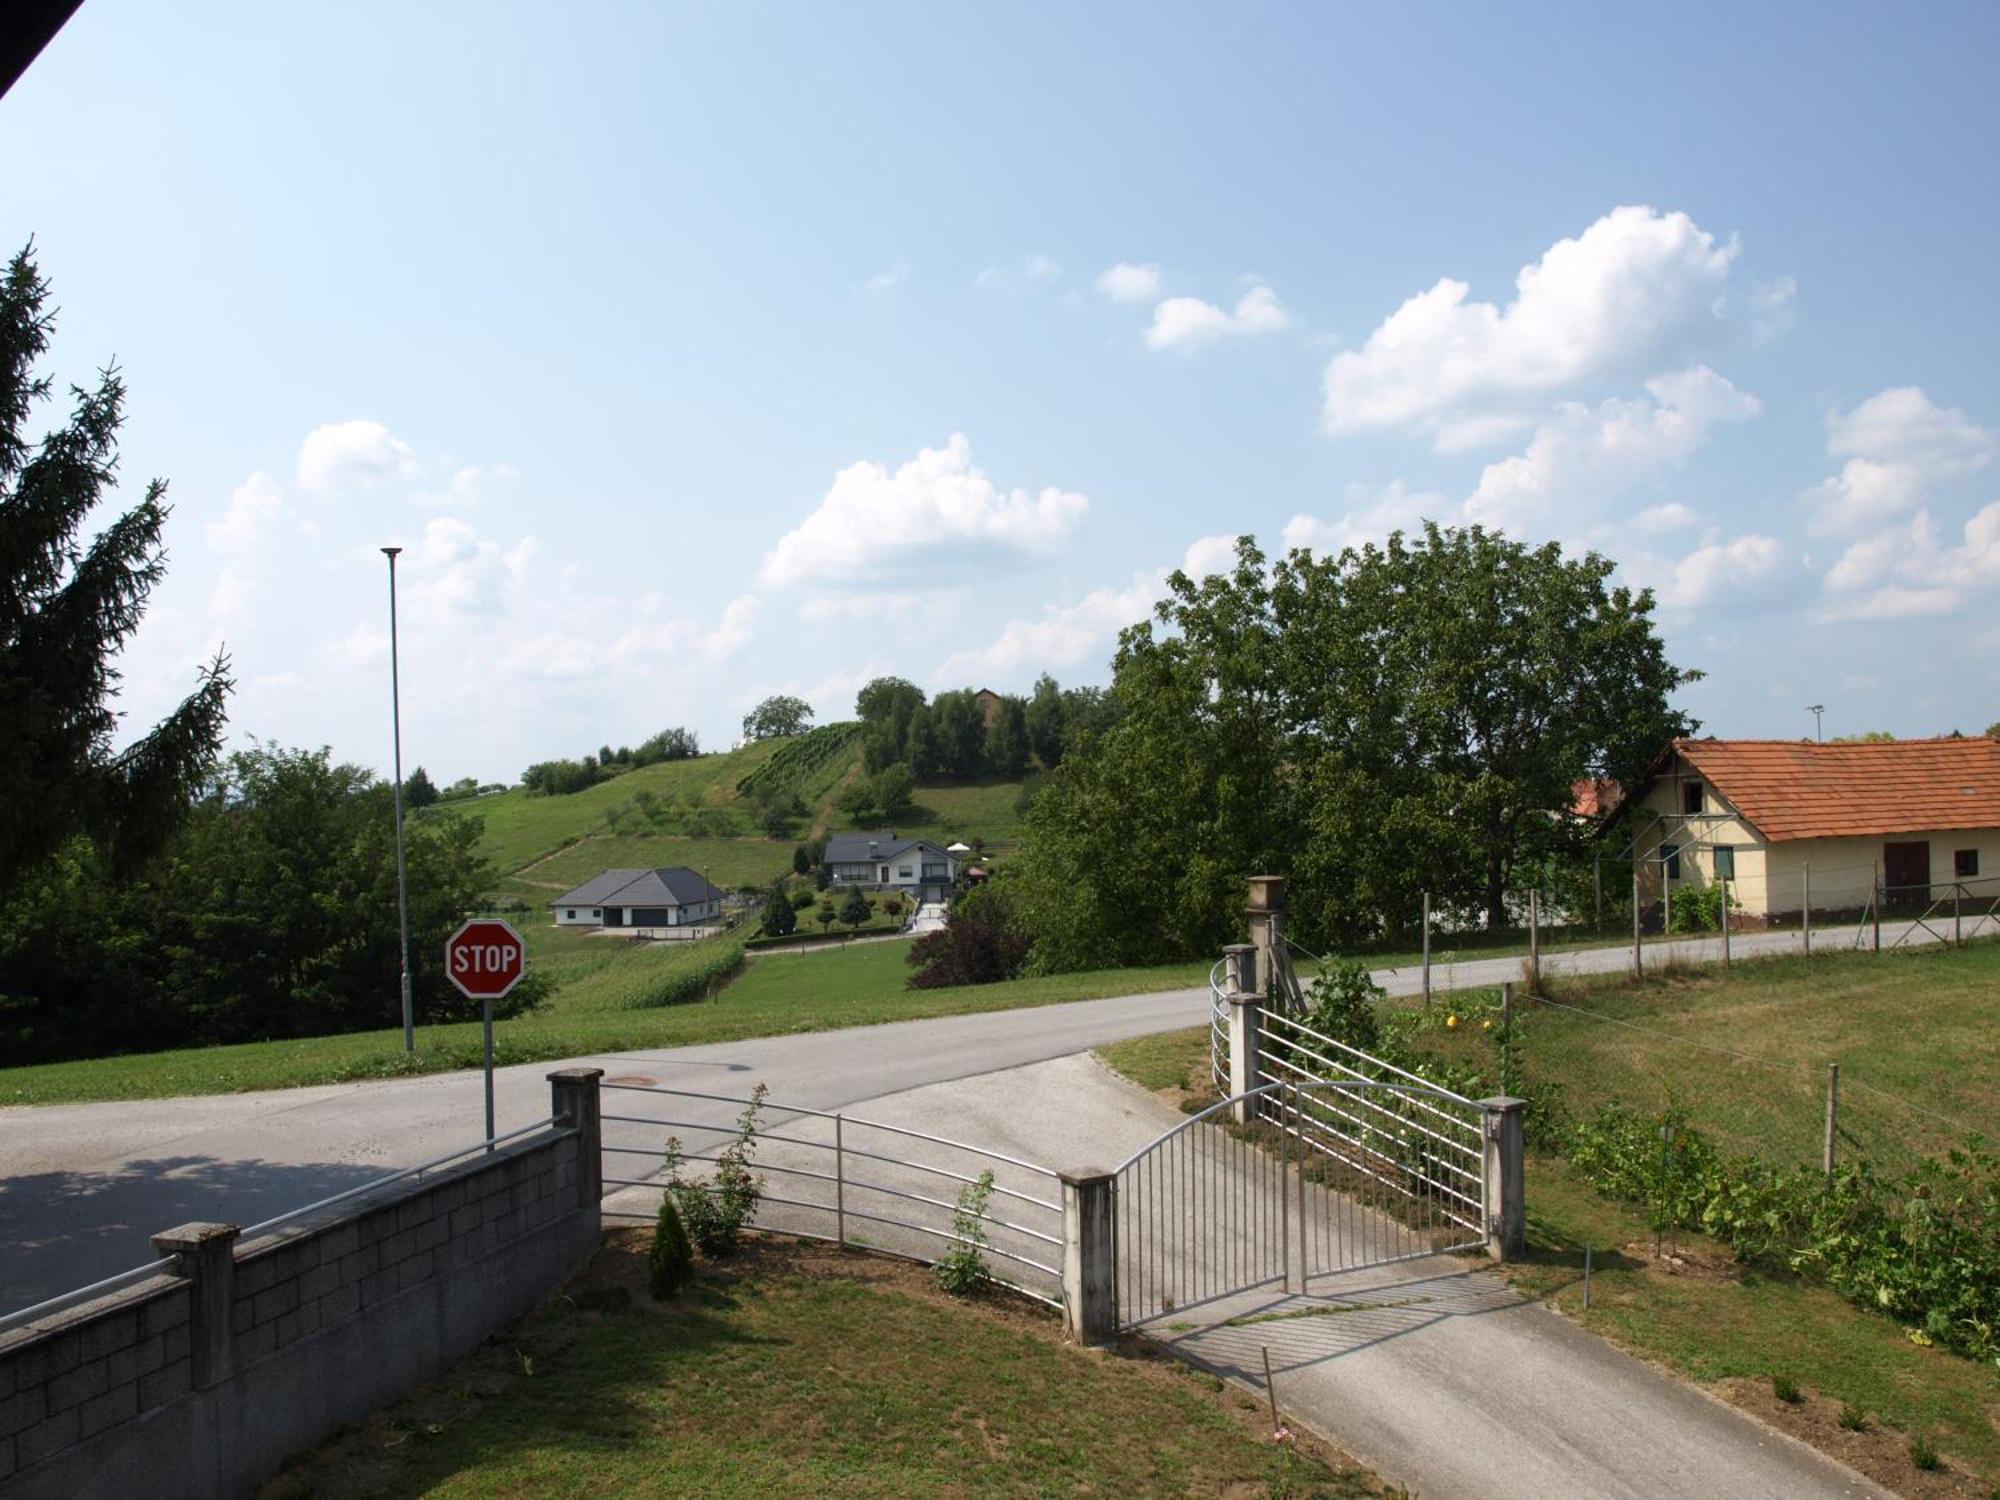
(1903, 570)
(1770, 306)
(1210, 554)
(935, 514)
(1720, 571)
(884, 281)
(1126, 282)
(1898, 445)
(469, 487)
(888, 604)
(1189, 322)
(1657, 520)
(352, 456)
(1370, 516)
(251, 504)
(1636, 291)
(1034, 271)
(735, 630)
(1584, 455)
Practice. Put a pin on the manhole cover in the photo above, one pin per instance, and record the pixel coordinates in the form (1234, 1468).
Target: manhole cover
(639, 1080)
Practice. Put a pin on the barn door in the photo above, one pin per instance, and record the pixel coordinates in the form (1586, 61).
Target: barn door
(1906, 874)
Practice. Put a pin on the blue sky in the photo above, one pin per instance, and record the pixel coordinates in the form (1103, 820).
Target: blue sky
(700, 353)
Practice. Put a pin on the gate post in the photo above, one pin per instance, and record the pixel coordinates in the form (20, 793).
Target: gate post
(205, 1257)
(1239, 968)
(1505, 1178)
(1089, 1265)
(1246, 1052)
(1267, 932)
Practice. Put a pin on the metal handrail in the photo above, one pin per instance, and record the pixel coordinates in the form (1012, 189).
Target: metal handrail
(380, 1182)
(827, 1114)
(34, 1312)
(799, 1140)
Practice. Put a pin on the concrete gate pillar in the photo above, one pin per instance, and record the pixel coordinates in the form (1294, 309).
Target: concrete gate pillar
(1246, 1049)
(1267, 933)
(205, 1258)
(1089, 1268)
(1506, 1205)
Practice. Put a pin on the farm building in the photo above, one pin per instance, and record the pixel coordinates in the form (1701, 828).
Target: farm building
(882, 861)
(674, 897)
(1916, 820)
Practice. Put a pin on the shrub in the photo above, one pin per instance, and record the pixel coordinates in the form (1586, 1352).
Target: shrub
(802, 899)
(1924, 1454)
(781, 919)
(983, 943)
(855, 910)
(1853, 1418)
(1698, 908)
(671, 1260)
(1786, 1390)
(1341, 1003)
(715, 1212)
(963, 1268)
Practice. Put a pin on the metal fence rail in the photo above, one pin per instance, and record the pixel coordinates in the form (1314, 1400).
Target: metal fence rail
(838, 1181)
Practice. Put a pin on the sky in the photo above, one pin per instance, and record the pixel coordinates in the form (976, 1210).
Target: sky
(697, 353)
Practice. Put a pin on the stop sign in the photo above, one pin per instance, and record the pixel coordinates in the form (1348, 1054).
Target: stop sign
(485, 958)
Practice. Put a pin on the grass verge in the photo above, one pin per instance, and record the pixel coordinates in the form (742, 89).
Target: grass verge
(806, 1370)
(601, 1006)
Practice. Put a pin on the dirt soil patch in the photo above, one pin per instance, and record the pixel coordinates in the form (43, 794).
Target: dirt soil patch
(1880, 1452)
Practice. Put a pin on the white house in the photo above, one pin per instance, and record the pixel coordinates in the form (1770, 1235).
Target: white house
(1916, 819)
(675, 897)
(884, 862)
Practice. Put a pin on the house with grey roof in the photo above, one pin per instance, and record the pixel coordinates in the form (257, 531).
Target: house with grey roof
(673, 897)
(881, 861)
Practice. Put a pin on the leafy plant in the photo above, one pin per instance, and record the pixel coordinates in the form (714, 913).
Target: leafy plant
(714, 1212)
(963, 1268)
(1924, 1454)
(671, 1261)
(1786, 1390)
(1853, 1418)
(1698, 908)
(1341, 1003)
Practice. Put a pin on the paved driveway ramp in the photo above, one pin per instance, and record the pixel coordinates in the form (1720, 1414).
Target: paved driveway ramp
(1432, 1371)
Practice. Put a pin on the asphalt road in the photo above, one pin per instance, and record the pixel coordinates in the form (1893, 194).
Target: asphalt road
(82, 1186)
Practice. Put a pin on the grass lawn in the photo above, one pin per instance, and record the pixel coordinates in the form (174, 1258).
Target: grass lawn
(805, 1370)
(600, 1007)
(966, 811)
(729, 862)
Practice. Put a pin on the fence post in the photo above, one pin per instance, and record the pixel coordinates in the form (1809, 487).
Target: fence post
(1427, 950)
(1535, 939)
(575, 1102)
(839, 1183)
(1832, 1114)
(1506, 1181)
(1638, 958)
(1246, 1052)
(1267, 930)
(1506, 1037)
(1723, 881)
(1957, 934)
(205, 1258)
(1806, 917)
(1239, 968)
(1875, 906)
(1597, 893)
(1089, 1268)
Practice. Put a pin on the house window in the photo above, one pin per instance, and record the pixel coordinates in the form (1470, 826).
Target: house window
(571, 914)
(1691, 797)
(1670, 855)
(904, 872)
(1725, 862)
(596, 912)
(1965, 864)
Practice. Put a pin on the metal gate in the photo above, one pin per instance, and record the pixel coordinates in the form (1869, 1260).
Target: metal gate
(1297, 1180)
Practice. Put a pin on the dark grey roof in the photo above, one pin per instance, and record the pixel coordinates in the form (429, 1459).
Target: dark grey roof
(675, 886)
(853, 848)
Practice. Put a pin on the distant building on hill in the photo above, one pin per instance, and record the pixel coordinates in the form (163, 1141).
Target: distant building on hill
(882, 861)
(673, 897)
(1915, 820)
(989, 705)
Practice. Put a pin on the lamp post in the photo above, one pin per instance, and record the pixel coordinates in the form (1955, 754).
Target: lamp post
(1816, 709)
(402, 873)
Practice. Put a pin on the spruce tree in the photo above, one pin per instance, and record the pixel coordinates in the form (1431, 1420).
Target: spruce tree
(66, 608)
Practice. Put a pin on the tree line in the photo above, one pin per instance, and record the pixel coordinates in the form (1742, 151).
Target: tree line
(558, 778)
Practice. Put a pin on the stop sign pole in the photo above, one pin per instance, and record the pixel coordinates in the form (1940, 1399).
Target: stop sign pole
(485, 959)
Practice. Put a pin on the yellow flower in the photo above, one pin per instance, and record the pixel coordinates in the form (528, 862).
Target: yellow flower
(1485, 1025)
(1451, 1023)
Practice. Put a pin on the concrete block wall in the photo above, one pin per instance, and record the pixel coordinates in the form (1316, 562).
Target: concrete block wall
(126, 1394)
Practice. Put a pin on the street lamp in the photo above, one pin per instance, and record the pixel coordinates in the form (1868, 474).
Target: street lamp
(1816, 709)
(402, 873)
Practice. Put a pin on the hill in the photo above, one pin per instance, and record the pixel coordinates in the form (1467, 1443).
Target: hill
(700, 813)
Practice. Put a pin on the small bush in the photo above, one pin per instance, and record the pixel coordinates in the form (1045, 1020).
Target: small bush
(1786, 1390)
(1853, 1418)
(1341, 1004)
(984, 943)
(802, 899)
(1924, 1454)
(715, 1212)
(671, 1260)
(963, 1269)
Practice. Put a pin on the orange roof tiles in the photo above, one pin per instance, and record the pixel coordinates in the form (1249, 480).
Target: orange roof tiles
(1795, 789)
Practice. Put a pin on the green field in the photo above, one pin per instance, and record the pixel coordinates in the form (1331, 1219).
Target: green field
(803, 1370)
(599, 1007)
(986, 810)
(728, 862)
